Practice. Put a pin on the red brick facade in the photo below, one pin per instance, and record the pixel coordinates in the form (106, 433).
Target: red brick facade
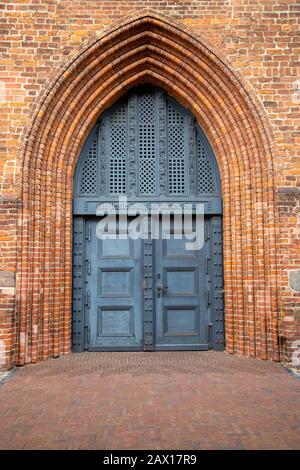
(233, 64)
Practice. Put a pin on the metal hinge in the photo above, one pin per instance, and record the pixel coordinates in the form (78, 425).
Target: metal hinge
(88, 300)
(88, 232)
(88, 266)
(207, 264)
(207, 298)
(87, 335)
(206, 231)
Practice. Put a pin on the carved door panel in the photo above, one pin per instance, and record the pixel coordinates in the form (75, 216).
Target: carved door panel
(181, 304)
(114, 301)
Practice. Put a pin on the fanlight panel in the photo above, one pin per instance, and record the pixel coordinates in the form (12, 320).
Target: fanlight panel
(147, 145)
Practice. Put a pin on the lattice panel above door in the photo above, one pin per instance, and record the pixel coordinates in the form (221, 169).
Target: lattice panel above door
(147, 145)
(117, 131)
(176, 150)
(205, 171)
(88, 177)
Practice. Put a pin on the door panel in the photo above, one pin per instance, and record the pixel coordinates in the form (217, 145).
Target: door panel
(181, 312)
(114, 293)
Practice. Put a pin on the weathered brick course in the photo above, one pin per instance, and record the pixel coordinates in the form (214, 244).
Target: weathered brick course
(234, 64)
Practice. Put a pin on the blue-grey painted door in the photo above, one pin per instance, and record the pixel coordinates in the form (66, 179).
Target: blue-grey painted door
(113, 292)
(147, 294)
(181, 288)
(151, 149)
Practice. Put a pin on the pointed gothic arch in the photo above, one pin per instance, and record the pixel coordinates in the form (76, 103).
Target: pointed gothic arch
(147, 48)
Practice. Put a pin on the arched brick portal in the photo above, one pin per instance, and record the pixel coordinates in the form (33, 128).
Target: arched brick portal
(148, 48)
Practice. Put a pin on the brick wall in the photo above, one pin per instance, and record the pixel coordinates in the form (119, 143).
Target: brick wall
(256, 39)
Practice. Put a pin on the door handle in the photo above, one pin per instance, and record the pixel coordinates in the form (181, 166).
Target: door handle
(161, 290)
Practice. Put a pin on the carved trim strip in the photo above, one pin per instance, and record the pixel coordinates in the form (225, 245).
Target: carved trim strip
(103, 158)
(148, 295)
(162, 143)
(192, 183)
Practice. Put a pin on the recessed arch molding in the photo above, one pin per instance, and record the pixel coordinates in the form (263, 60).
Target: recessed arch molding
(151, 48)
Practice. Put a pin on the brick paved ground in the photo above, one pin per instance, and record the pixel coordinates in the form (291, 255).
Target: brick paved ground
(179, 400)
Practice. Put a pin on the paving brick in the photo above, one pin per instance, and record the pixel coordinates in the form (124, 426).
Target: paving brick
(167, 400)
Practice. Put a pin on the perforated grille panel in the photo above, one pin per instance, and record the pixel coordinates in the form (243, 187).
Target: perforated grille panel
(205, 172)
(88, 180)
(117, 151)
(147, 144)
(176, 151)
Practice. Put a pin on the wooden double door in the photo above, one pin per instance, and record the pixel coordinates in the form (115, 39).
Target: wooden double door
(152, 294)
